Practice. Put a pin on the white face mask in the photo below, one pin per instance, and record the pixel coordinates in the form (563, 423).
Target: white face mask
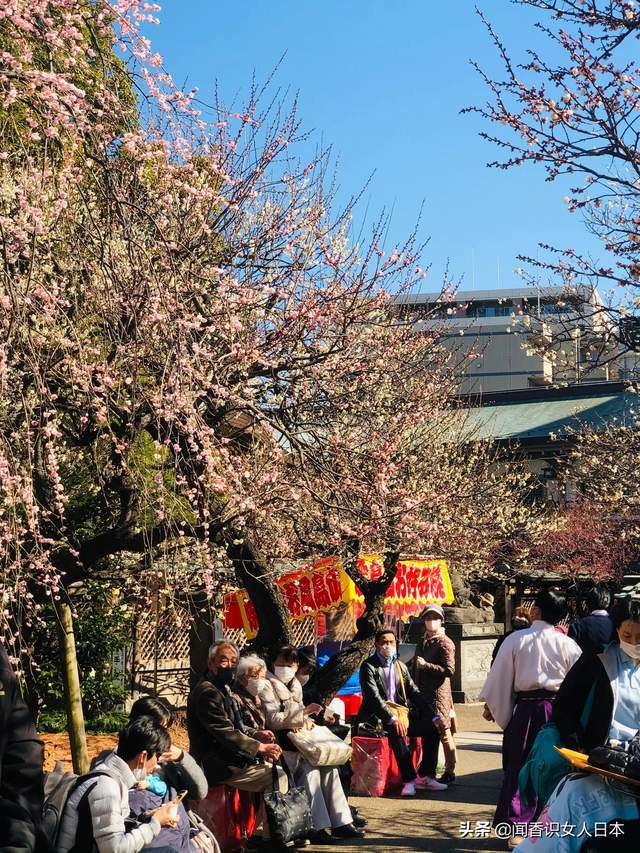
(286, 674)
(139, 774)
(432, 625)
(255, 685)
(387, 651)
(303, 679)
(632, 650)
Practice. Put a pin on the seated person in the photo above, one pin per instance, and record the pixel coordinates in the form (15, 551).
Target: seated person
(598, 702)
(102, 812)
(228, 751)
(176, 767)
(384, 678)
(284, 710)
(176, 771)
(251, 679)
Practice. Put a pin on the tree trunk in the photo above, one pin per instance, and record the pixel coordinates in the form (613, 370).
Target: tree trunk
(200, 639)
(272, 614)
(73, 695)
(339, 669)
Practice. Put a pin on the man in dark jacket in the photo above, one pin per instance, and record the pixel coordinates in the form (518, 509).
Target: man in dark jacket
(227, 751)
(596, 630)
(21, 759)
(383, 678)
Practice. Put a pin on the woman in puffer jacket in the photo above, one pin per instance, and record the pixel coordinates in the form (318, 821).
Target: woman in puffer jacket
(284, 711)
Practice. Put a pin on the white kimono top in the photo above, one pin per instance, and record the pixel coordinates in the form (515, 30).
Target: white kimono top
(535, 658)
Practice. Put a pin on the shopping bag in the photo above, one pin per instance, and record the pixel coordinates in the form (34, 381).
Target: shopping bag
(370, 763)
(319, 746)
(288, 815)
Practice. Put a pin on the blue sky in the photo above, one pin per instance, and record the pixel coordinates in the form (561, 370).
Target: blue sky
(383, 82)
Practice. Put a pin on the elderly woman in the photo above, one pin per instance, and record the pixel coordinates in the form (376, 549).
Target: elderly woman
(432, 669)
(598, 702)
(250, 681)
(285, 711)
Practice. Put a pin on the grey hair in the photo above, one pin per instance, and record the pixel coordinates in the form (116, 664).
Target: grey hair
(222, 644)
(247, 663)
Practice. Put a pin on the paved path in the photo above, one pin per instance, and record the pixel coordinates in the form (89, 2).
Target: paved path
(431, 821)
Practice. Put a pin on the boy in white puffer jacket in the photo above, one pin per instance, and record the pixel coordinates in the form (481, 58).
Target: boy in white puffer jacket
(139, 746)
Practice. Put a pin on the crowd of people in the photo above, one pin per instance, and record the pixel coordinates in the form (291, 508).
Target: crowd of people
(579, 689)
(549, 686)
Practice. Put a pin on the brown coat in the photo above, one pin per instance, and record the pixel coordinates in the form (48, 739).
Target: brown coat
(434, 676)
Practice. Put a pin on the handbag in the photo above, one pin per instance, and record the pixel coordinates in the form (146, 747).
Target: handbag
(400, 712)
(319, 746)
(288, 815)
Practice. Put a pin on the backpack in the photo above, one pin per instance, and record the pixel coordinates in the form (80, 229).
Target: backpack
(58, 787)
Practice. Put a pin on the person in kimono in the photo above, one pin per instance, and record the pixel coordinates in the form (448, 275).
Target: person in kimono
(519, 692)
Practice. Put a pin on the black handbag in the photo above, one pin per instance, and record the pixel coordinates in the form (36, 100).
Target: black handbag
(288, 815)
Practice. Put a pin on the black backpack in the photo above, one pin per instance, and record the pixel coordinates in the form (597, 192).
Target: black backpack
(58, 787)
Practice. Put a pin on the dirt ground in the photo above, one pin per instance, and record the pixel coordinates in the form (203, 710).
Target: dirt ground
(56, 746)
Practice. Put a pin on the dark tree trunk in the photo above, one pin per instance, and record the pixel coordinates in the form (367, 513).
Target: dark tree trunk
(339, 669)
(200, 638)
(272, 614)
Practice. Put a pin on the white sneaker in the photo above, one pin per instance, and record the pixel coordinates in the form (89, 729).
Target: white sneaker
(408, 790)
(428, 783)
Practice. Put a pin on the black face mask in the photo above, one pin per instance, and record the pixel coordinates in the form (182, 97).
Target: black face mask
(225, 676)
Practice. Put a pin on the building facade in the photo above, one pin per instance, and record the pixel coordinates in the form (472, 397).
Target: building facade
(512, 339)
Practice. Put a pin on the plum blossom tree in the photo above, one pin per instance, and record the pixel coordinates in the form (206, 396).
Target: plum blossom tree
(572, 107)
(197, 355)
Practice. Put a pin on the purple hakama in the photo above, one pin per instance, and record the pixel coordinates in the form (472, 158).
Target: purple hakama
(532, 710)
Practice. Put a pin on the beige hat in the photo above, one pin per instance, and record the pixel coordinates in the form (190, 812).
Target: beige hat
(487, 598)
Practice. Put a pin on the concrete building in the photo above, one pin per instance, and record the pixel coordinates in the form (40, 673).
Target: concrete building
(511, 339)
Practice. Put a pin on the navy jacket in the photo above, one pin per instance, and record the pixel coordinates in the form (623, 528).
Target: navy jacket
(592, 633)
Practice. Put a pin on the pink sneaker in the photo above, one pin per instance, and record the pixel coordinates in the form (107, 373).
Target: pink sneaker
(428, 783)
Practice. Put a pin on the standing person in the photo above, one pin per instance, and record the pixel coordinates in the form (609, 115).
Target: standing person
(432, 668)
(596, 630)
(285, 711)
(383, 678)
(21, 759)
(519, 692)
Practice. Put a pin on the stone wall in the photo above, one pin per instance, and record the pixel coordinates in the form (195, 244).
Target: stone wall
(474, 644)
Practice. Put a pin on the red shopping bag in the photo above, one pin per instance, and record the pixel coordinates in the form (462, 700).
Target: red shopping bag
(370, 765)
(230, 814)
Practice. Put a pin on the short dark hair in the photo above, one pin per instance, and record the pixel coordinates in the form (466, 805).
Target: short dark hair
(150, 706)
(597, 598)
(552, 604)
(142, 735)
(625, 608)
(380, 634)
(288, 652)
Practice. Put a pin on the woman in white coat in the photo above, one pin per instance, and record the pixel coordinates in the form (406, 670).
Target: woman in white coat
(284, 711)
